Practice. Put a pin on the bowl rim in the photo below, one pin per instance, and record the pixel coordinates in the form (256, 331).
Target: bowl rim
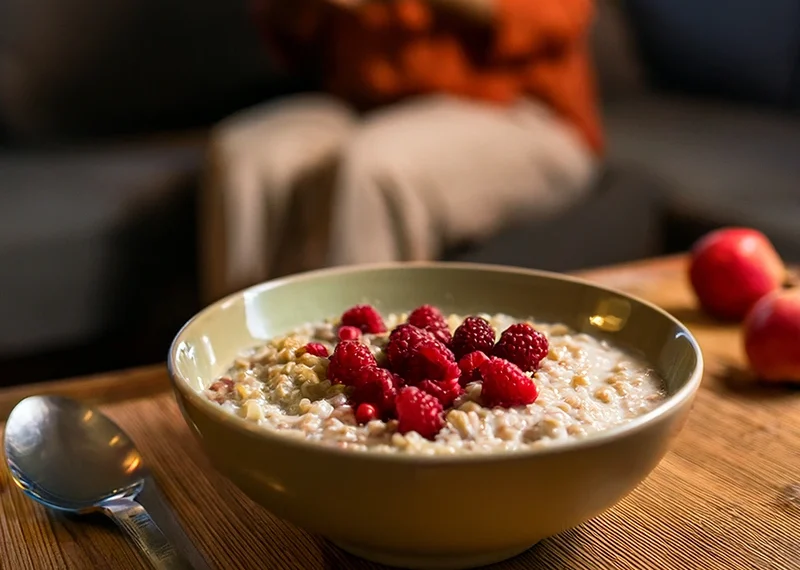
(673, 402)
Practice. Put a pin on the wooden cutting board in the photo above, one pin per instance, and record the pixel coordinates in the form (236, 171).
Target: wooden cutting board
(727, 496)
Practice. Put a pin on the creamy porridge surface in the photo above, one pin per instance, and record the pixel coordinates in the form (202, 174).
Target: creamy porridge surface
(584, 385)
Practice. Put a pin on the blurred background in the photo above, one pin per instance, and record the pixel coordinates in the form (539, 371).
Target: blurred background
(105, 109)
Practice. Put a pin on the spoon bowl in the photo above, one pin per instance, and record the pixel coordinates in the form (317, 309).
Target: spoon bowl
(96, 460)
(74, 459)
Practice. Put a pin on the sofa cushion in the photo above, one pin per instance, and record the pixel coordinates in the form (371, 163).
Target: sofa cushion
(708, 146)
(87, 234)
(726, 163)
(617, 222)
(734, 48)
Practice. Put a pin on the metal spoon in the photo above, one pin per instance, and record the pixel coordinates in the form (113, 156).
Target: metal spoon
(72, 458)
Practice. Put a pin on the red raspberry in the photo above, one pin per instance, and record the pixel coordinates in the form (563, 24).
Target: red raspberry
(364, 317)
(349, 333)
(376, 386)
(348, 359)
(402, 342)
(431, 360)
(317, 349)
(523, 345)
(446, 392)
(365, 413)
(473, 334)
(504, 384)
(431, 319)
(415, 355)
(418, 411)
(470, 366)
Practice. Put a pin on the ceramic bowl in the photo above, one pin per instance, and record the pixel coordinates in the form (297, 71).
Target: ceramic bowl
(426, 511)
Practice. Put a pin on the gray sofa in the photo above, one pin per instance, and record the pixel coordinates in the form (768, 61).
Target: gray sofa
(101, 146)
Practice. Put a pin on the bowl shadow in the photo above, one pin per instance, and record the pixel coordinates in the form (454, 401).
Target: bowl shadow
(334, 558)
(742, 382)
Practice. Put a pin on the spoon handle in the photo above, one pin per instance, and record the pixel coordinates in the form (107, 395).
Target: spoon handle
(132, 518)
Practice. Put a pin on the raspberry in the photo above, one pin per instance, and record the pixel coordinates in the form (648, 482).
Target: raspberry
(504, 384)
(349, 333)
(473, 334)
(317, 349)
(523, 345)
(418, 411)
(431, 360)
(415, 355)
(365, 413)
(348, 359)
(402, 342)
(365, 318)
(431, 319)
(378, 387)
(470, 366)
(446, 392)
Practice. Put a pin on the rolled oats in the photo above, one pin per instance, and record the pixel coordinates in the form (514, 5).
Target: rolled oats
(585, 385)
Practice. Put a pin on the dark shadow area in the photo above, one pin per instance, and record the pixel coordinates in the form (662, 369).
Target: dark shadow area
(741, 382)
(335, 558)
(96, 520)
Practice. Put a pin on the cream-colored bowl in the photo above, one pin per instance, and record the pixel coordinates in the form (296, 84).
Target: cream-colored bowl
(424, 511)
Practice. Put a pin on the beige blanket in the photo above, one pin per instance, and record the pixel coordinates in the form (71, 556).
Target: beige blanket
(304, 183)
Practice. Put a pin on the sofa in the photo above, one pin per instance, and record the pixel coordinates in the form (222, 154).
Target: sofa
(104, 109)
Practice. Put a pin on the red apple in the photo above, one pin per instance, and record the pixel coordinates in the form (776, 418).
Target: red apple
(732, 268)
(772, 336)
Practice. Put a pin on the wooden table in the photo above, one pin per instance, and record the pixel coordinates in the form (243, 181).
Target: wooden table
(726, 497)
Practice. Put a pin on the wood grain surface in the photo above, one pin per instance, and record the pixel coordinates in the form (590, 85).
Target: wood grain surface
(727, 497)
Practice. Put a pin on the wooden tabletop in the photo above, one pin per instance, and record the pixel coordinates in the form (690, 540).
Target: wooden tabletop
(727, 497)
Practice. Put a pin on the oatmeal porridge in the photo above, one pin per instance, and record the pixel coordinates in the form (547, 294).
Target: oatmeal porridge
(432, 384)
